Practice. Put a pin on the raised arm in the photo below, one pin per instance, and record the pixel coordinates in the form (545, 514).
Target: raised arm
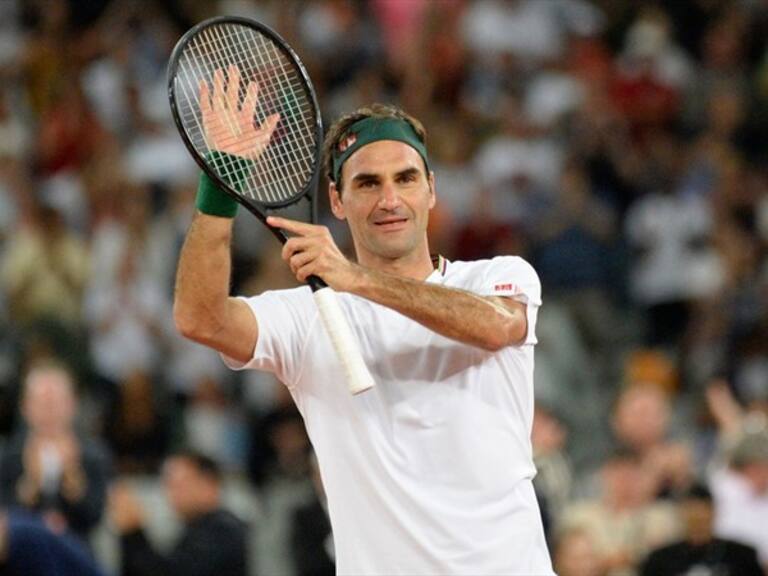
(203, 310)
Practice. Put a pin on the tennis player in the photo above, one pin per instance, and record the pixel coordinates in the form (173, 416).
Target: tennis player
(430, 471)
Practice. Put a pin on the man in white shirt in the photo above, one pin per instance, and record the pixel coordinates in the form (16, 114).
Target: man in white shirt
(430, 471)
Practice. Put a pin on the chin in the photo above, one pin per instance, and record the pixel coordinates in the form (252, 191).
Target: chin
(391, 251)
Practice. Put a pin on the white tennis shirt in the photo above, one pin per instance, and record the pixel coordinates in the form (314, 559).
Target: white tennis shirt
(430, 471)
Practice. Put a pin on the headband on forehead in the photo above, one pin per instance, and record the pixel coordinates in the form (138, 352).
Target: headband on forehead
(370, 130)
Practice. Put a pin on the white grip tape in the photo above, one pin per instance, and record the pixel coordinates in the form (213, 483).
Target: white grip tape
(358, 376)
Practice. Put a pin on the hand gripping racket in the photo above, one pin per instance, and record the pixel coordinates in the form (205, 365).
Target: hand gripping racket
(247, 112)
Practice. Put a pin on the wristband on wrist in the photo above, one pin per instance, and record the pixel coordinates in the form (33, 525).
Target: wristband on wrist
(211, 199)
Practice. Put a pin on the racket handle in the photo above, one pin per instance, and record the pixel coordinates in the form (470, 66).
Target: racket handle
(358, 376)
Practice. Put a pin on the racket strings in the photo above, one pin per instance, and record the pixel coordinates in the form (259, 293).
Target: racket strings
(286, 165)
(221, 43)
(269, 157)
(296, 111)
(306, 128)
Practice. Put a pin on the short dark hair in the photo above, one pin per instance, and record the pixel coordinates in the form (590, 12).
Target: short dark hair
(339, 128)
(204, 464)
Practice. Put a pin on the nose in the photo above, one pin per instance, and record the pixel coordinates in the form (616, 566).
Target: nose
(389, 199)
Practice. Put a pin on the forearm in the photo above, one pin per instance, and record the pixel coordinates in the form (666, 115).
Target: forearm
(485, 322)
(203, 278)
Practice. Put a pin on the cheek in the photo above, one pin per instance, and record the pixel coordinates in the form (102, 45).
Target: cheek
(359, 209)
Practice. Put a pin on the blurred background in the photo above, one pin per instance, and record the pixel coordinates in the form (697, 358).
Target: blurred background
(619, 146)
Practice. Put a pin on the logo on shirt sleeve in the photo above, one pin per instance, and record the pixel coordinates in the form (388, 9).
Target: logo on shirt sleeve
(508, 287)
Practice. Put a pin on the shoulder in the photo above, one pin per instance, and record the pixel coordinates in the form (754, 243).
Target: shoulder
(663, 552)
(226, 528)
(297, 294)
(737, 548)
(508, 264)
(660, 560)
(273, 301)
(226, 521)
(501, 276)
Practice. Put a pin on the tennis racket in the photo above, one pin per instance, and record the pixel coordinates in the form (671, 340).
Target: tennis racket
(247, 112)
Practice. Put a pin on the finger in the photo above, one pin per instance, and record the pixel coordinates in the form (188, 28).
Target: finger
(270, 124)
(218, 90)
(249, 103)
(205, 98)
(233, 87)
(309, 269)
(293, 226)
(301, 259)
(295, 245)
(263, 134)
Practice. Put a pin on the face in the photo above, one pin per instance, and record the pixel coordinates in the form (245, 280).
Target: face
(49, 401)
(756, 473)
(625, 483)
(641, 417)
(185, 487)
(386, 201)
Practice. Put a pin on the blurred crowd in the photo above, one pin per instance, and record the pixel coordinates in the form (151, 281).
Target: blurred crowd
(619, 146)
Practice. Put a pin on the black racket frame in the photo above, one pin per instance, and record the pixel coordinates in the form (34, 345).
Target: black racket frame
(259, 209)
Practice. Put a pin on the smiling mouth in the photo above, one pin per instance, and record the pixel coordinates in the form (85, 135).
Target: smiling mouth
(390, 224)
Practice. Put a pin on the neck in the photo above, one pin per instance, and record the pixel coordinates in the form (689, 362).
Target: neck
(417, 265)
(418, 269)
(201, 510)
(48, 434)
(700, 538)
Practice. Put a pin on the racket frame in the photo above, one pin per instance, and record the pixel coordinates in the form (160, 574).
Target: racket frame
(257, 208)
(358, 376)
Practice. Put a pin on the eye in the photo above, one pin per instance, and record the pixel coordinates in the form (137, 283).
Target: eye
(408, 177)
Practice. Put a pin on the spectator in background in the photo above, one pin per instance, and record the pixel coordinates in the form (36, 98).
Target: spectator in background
(576, 555)
(624, 522)
(280, 467)
(641, 424)
(739, 474)
(213, 542)
(311, 537)
(700, 552)
(126, 309)
(553, 470)
(579, 227)
(670, 235)
(47, 467)
(652, 72)
(30, 548)
(44, 270)
(126, 299)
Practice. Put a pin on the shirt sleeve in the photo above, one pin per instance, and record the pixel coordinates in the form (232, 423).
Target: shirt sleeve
(513, 277)
(285, 319)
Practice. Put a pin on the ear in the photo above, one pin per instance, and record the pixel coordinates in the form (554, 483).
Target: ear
(337, 206)
(433, 196)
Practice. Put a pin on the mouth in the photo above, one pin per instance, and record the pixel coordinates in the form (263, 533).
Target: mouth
(391, 224)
